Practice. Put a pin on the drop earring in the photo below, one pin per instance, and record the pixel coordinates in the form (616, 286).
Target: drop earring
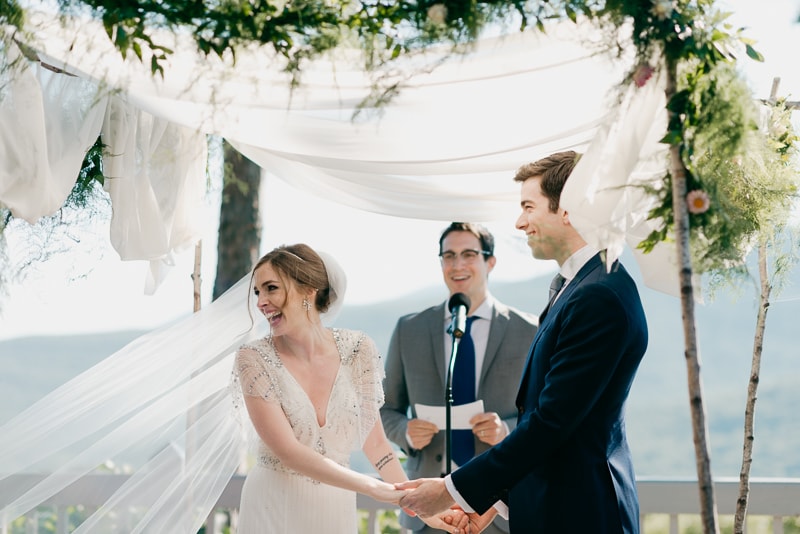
(306, 305)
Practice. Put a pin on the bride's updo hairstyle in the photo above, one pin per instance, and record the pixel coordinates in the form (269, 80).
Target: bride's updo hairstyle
(304, 267)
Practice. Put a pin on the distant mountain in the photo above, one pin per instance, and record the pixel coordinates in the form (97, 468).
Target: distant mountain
(34, 366)
(659, 425)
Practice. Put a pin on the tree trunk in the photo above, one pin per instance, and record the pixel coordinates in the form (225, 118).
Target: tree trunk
(708, 508)
(239, 220)
(752, 388)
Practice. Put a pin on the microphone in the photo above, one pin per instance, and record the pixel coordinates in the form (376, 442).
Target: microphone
(459, 306)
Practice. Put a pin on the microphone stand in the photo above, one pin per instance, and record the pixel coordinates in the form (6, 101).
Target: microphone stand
(448, 401)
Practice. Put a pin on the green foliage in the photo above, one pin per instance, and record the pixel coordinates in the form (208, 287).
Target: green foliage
(296, 30)
(11, 13)
(388, 522)
(90, 178)
(745, 171)
(791, 525)
(45, 520)
(55, 234)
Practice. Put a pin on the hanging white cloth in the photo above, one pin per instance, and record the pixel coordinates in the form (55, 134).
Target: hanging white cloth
(606, 196)
(49, 121)
(444, 148)
(155, 169)
(155, 176)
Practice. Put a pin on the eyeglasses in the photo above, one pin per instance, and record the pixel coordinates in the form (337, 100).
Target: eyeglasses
(468, 256)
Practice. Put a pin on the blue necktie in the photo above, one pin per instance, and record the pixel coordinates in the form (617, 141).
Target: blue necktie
(463, 446)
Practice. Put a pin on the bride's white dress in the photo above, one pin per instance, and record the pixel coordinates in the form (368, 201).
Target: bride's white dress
(278, 499)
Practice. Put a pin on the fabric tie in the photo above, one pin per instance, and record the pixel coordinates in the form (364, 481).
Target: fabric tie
(555, 287)
(463, 446)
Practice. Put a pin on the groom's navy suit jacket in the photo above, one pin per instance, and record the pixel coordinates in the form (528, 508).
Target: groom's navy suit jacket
(566, 468)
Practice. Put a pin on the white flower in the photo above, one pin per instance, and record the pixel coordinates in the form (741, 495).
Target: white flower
(778, 128)
(663, 9)
(698, 201)
(437, 14)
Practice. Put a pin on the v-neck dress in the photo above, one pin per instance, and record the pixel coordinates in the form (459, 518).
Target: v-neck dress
(278, 499)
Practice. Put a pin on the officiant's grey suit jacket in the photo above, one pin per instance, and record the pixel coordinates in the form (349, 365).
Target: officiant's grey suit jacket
(416, 373)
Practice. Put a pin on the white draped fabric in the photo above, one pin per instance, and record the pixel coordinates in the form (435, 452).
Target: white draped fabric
(162, 404)
(155, 168)
(48, 124)
(445, 148)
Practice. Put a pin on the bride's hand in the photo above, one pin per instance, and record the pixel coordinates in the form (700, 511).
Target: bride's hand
(477, 523)
(453, 521)
(387, 493)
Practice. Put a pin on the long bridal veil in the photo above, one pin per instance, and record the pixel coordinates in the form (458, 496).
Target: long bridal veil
(161, 405)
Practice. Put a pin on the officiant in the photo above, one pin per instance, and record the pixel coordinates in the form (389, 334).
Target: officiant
(488, 366)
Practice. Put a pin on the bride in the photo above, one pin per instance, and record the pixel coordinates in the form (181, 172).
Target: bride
(303, 396)
(313, 395)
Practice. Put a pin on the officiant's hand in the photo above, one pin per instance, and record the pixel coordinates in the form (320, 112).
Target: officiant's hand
(420, 433)
(488, 427)
(429, 496)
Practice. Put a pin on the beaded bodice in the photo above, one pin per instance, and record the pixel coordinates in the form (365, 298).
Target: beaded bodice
(354, 401)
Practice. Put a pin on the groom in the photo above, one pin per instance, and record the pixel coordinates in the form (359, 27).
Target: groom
(566, 468)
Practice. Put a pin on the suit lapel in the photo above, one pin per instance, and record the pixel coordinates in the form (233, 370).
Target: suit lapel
(594, 263)
(497, 331)
(435, 330)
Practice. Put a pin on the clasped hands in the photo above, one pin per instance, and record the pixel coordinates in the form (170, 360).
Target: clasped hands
(429, 499)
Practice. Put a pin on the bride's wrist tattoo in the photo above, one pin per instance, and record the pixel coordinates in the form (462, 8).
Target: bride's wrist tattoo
(383, 461)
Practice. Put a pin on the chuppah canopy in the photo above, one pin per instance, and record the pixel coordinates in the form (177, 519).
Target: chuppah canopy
(444, 148)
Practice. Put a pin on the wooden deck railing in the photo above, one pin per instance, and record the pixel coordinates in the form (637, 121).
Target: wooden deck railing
(773, 498)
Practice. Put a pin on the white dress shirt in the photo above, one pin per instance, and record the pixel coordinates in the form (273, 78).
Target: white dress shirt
(574, 264)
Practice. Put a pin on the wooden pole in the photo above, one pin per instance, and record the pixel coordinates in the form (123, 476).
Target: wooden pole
(678, 172)
(196, 278)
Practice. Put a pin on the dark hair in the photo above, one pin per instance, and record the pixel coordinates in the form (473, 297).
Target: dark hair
(303, 266)
(479, 231)
(553, 171)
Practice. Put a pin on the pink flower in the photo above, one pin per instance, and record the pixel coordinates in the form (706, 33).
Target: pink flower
(642, 73)
(698, 201)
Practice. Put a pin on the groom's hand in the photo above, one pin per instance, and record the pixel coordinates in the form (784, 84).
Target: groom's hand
(430, 496)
